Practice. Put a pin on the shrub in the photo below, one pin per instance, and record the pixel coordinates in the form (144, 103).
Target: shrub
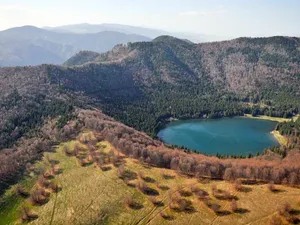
(55, 169)
(214, 189)
(203, 195)
(141, 175)
(180, 204)
(126, 174)
(54, 186)
(292, 219)
(20, 190)
(166, 215)
(185, 205)
(285, 209)
(215, 207)
(39, 197)
(68, 151)
(129, 183)
(129, 202)
(275, 220)
(233, 205)
(162, 186)
(271, 187)
(26, 215)
(43, 182)
(166, 175)
(155, 201)
(184, 192)
(146, 190)
(121, 171)
(238, 185)
(195, 189)
(48, 175)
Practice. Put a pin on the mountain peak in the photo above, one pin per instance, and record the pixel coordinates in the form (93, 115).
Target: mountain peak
(168, 39)
(24, 28)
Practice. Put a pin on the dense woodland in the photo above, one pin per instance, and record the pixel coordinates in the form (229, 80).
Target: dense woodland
(143, 85)
(290, 128)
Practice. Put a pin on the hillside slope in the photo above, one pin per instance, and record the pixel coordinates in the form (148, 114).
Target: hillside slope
(188, 80)
(142, 84)
(100, 171)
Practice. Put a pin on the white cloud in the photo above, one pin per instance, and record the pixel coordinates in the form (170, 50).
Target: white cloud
(203, 12)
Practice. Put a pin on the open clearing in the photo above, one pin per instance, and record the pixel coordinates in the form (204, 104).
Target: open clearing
(276, 119)
(89, 195)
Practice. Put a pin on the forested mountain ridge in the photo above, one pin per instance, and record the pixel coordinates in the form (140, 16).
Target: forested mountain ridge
(143, 83)
(237, 65)
(190, 80)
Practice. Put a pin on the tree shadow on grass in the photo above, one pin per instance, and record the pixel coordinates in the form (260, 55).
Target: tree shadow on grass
(276, 190)
(223, 213)
(295, 212)
(168, 176)
(163, 187)
(159, 204)
(136, 206)
(246, 189)
(29, 218)
(106, 168)
(242, 211)
(149, 179)
(167, 216)
(150, 191)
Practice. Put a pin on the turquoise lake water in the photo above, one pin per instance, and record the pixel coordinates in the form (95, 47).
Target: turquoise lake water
(224, 136)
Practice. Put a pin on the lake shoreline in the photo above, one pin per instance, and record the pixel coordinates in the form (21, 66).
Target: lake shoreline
(208, 137)
(282, 140)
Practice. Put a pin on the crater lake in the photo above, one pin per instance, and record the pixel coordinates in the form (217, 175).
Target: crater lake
(225, 136)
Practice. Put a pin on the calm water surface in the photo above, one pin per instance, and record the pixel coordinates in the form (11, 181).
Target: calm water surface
(224, 136)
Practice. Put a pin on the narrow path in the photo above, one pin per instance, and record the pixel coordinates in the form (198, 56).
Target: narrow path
(89, 205)
(225, 206)
(150, 219)
(255, 222)
(53, 210)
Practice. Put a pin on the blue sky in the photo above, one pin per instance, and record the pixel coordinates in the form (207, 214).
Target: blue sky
(216, 17)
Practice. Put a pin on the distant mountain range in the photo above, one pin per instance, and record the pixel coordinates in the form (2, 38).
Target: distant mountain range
(149, 32)
(30, 45)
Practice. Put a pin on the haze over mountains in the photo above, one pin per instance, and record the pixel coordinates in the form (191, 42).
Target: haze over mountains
(126, 29)
(29, 45)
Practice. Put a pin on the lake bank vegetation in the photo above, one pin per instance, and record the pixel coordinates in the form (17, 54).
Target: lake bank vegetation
(278, 164)
(144, 180)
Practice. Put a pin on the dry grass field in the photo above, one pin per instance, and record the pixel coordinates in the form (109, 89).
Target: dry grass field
(276, 119)
(130, 192)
